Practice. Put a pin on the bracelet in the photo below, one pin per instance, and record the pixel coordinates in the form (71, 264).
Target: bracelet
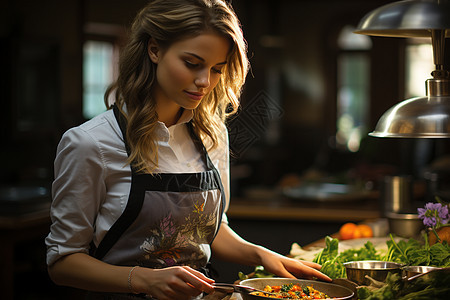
(130, 275)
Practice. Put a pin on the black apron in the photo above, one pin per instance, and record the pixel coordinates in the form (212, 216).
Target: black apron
(170, 218)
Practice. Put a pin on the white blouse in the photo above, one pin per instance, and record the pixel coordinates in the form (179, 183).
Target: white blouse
(92, 180)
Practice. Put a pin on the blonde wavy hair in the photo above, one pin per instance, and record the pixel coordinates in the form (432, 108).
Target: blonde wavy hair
(169, 21)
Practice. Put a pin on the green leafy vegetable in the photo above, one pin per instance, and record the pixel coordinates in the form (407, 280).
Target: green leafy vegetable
(333, 263)
(410, 252)
(414, 253)
(393, 285)
(425, 287)
(440, 253)
(286, 287)
(306, 290)
(242, 276)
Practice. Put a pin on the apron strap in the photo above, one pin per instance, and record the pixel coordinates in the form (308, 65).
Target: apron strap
(128, 216)
(200, 146)
(210, 166)
(132, 209)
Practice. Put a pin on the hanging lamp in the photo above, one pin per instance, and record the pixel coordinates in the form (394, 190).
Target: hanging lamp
(419, 117)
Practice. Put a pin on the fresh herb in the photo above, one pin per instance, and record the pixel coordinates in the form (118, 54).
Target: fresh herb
(333, 263)
(440, 255)
(408, 252)
(387, 291)
(414, 253)
(286, 287)
(423, 288)
(306, 290)
(328, 258)
(242, 276)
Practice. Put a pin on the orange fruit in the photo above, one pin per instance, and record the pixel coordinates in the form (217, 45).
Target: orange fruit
(353, 231)
(357, 233)
(347, 231)
(366, 230)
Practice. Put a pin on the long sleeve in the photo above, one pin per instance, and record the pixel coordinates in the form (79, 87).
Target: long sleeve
(78, 190)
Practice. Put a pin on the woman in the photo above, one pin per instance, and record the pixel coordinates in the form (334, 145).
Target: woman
(140, 191)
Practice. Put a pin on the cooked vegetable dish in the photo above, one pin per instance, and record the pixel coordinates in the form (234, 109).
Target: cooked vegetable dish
(291, 291)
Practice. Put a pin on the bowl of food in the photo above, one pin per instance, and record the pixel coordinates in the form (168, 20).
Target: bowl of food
(410, 271)
(378, 270)
(288, 288)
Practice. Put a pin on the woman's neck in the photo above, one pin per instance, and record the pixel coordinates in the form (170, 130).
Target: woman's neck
(169, 115)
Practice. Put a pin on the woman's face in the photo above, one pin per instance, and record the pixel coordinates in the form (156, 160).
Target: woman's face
(188, 69)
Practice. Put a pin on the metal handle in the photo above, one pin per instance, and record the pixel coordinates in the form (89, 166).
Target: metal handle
(242, 289)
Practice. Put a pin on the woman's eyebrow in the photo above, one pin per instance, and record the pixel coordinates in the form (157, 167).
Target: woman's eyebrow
(202, 59)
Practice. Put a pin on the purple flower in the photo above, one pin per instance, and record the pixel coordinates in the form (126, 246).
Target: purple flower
(429, 221)
(421, 212)
(443, 214)
(433, 206)
(434, 214)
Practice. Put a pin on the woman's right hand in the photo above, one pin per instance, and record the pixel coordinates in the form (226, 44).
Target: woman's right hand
(179, 282)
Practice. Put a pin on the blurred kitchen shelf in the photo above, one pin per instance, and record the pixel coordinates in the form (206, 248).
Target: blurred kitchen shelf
(355, 211)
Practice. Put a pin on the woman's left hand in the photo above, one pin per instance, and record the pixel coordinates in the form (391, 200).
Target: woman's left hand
(230, 246)
(290, 268)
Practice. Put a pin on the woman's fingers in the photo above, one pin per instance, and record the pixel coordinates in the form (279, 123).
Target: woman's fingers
(197, 280)
(199, 275)
(311, 270)
(178, 283)
(290, 268)
(312, 273)
(311, 264)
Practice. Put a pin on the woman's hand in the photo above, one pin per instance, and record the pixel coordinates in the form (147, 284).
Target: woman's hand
(171, 283)
(230, 246)
(290, 268)
(85, 272)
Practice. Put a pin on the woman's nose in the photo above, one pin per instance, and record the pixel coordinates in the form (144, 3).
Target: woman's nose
(202, 79)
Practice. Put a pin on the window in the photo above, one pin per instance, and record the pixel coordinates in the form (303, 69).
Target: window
(98, 73)
(419, 65)
(353, 83)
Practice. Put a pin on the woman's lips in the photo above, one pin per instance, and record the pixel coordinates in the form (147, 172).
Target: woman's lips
(194, 95)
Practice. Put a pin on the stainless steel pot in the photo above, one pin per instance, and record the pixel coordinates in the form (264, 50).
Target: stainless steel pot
(410, 271)
(405, 225)
(378, 270)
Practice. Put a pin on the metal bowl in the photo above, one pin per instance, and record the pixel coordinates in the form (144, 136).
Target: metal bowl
(335, 291)
(410, 271)
(378, 270)
(404, 225)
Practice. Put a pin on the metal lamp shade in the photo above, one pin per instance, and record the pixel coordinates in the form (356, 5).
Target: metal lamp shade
(410, 18)
(421, 117)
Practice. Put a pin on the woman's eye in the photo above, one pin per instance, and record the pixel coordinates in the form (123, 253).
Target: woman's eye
(218, 71)
(190, 64)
